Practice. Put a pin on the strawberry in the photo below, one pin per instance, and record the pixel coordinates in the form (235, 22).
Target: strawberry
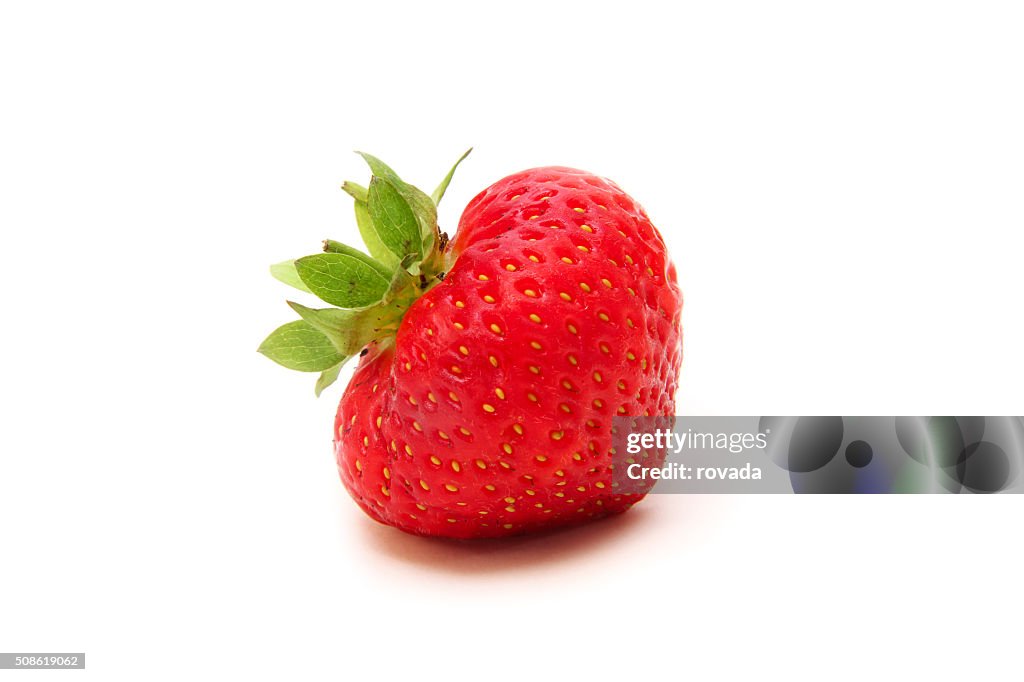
(491, 367)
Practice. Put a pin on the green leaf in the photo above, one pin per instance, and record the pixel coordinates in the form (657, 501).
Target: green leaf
(366, 228)
(370, 237)
(342, 280)
(328, 377)
(286, 272)
(393, 219)
(298, 345)
(422, 206)
(331, 246)
(357, 192)
(381, 169)
(439, 192)
(348, 330)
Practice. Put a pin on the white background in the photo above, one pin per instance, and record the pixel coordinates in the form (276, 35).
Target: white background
(839, 184)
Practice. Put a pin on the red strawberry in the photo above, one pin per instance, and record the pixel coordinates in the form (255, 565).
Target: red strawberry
(483, 406)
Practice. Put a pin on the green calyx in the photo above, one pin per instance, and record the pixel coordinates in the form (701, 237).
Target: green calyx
(370, 293)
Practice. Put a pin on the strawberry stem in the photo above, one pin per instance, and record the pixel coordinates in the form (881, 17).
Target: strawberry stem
(408, 256)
